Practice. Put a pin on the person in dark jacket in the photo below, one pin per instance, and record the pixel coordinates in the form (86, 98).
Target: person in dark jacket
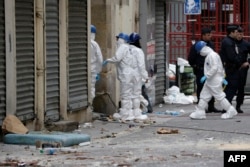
(232, 61)
(197, 62)
(244, 50)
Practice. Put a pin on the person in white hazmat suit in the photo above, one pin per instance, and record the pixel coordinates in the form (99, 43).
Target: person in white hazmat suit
(125, 72)
(96, 61)
(140, 75)
(214, 79)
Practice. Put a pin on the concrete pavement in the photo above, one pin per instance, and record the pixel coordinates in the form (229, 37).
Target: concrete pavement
(198, 143)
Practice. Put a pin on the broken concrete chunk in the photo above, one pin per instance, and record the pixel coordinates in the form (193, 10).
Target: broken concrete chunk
(11, 124)
(167, 131)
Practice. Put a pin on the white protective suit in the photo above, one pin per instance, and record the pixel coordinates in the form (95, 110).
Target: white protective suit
(214, 73)
(140, 74)
(96, 63)
(125, 63)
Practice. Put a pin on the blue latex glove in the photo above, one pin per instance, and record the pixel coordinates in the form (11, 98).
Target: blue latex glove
(203, 79)
(97, 77)
(225, 82)
(105, 62)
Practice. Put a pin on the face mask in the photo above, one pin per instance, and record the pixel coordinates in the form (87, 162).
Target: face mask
(92, 36)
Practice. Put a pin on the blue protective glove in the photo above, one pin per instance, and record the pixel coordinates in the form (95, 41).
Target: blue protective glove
(105, 62)
(97, 77)
(203, 79)
(225, 82)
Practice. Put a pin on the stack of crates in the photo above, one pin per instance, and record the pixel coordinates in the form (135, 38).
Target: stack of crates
(186, 80)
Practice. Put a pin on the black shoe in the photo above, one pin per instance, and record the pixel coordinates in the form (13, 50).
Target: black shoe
(208, 111)
(223, 111)
(239, 110)
(216, 110)
(213, 109)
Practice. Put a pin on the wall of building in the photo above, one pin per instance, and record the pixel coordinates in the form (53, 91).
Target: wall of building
(110, 18)
(147, 30)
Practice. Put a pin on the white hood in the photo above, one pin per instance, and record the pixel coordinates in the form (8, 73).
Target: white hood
(205, 51)
(92, 36)
(119, 42)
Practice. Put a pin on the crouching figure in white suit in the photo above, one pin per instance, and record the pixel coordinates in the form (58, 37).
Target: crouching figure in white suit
(213, 78)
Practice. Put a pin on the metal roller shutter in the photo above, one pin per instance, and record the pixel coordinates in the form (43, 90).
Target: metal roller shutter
(52, 60)
(25, 68)
(2, 64)
(160, 50)
(77, 61)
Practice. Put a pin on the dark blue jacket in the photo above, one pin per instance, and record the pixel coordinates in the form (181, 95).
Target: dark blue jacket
(244, 49)
(229, 54)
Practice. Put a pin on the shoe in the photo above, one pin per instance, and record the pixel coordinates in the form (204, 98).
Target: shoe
(138, 115)
(130, 116)
(229, 114)
(213, 109)
(142, 117)
(198, 114)
(208, 111)
(223, 111)
(126, 115)
(117, 116)
(239, 110)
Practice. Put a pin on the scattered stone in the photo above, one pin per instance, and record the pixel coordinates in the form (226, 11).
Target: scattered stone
(11, 124)
(167, 131)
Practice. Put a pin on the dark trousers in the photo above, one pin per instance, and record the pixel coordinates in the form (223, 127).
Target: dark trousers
(145, 95)
(241, 86)
(233, 78)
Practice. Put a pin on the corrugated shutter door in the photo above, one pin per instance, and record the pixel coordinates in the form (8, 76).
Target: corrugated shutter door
(160, 50)
(25, 59)
(2, 64)
(78, 42)
(52, 60)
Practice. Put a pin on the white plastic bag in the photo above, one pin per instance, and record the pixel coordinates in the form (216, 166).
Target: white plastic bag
(175, 97)
(182, 62)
